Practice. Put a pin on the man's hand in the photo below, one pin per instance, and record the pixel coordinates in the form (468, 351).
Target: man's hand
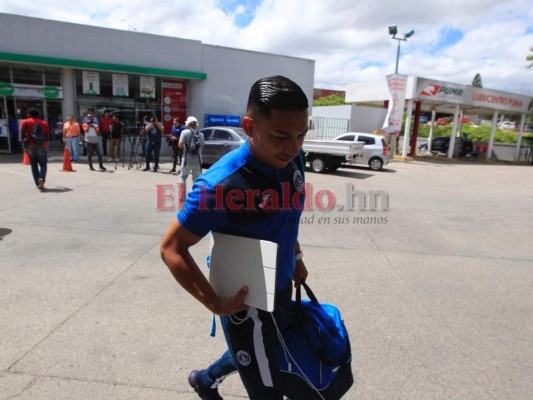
(231, 305)
(300, 273)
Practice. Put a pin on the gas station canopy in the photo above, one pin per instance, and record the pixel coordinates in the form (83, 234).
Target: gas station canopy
(443, 97)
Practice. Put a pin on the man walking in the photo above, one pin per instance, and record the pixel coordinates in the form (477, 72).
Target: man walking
(191, 142)
(35, 138)
(260, 173)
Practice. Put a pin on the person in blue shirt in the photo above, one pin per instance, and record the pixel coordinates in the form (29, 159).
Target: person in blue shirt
(267, 170)
(173, 140)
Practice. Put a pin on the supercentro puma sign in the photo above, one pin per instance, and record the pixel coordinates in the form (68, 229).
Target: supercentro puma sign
(467, 95)
(484, 98)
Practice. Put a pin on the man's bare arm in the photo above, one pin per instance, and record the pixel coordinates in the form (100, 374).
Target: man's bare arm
(175, 253)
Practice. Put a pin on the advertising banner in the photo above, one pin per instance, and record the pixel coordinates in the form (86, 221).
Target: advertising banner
(91, 82)
(147, 87)
(224, 120)
(120, 85)
(174, 101)
(397, 86)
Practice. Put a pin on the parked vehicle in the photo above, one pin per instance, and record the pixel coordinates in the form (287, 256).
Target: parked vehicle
(441, 144)
(328, 155)
(507, 125)
(219, 140)
(448, 120)
(375, 149)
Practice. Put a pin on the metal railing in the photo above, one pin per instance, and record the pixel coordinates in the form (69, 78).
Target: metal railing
(327, 128)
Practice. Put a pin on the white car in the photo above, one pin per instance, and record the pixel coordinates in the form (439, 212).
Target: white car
(507, 125)
(375, 151)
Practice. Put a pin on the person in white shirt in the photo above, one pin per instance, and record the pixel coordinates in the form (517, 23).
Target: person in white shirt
(91, 130)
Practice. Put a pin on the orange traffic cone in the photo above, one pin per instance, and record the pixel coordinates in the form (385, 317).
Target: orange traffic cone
(25, 158)
(67, 165)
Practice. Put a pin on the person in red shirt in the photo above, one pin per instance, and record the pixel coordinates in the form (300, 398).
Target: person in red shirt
(35, 138)
(105, 123)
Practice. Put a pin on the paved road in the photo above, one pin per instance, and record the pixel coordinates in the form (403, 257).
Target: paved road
(435, 291)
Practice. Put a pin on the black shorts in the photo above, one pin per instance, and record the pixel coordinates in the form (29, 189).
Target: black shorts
(252, 339)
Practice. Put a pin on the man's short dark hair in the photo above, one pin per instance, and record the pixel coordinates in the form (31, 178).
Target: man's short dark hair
(276, 92)
(33, 113)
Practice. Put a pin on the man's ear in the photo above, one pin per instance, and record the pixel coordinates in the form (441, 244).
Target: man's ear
(247, 125)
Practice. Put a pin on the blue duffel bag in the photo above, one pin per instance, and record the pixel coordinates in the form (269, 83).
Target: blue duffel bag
(314, 352)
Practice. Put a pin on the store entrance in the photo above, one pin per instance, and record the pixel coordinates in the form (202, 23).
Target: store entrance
(21, 107)
(54, 118)
(9, 127)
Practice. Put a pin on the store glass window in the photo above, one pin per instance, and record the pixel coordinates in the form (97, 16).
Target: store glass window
(106, 86)
(52, 76)
(79, 82)
(27, 74)
(5, 72)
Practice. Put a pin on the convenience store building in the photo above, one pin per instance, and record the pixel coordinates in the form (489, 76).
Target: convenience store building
(62, 68)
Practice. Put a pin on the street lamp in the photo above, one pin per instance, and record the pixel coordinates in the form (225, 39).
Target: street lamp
(393, 30)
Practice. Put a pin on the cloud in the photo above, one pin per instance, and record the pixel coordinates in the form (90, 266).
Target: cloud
(349, 40)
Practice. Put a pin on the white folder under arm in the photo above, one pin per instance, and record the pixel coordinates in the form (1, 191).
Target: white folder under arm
(238, 261)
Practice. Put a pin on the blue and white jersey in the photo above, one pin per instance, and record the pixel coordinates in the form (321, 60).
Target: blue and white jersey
(176, 130)
(241, 196)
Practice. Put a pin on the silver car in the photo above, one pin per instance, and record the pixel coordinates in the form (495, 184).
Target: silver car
(219, 140)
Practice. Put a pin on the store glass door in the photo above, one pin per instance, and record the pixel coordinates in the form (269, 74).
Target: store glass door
(55, 122)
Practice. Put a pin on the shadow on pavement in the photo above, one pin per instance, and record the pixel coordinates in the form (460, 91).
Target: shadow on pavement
(59, 189)
(5, 232)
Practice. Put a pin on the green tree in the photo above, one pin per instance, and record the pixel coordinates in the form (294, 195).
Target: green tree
(529, 58)
(331, 100)
(476, 82)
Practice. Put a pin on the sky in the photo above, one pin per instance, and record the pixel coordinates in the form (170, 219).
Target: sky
(349, 40)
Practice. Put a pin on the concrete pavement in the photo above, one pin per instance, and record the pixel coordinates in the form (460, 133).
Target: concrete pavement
(435, 291)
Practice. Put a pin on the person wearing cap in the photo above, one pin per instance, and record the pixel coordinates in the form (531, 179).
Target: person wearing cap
(191, 142)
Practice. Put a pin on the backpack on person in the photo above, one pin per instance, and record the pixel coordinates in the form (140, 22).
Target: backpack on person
(194, 143)
(37, 134)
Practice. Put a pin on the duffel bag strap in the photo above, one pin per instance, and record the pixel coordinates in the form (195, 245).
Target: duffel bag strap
(308, 291)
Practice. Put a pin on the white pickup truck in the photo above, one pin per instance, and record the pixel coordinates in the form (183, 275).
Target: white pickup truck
(328, 155)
